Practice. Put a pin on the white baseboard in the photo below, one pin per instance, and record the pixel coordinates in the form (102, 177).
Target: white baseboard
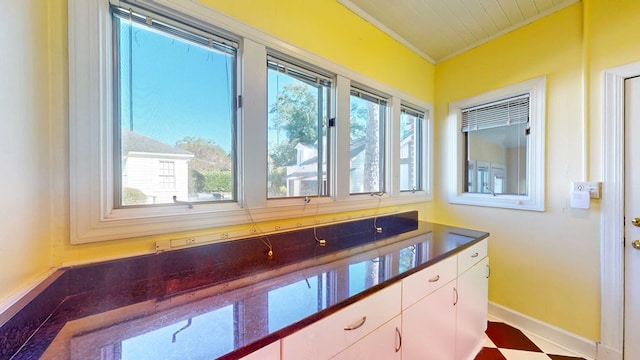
(606, 353)
(8, 305)
(572, 342)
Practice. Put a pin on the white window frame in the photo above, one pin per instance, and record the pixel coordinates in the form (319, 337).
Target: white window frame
(535, 199)
(92, 212)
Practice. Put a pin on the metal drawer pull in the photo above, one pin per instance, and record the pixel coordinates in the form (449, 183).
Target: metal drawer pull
(475, 254)
(399, 339)
(455, 296)
(435, 278)
(357, 325)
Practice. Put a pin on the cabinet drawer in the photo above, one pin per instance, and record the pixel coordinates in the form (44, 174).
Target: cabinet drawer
(327, 337)
(269, 352)
(383, 343)
(469, 257)
(426, 281)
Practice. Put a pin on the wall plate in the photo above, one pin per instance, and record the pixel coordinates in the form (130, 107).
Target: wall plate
(594, 188)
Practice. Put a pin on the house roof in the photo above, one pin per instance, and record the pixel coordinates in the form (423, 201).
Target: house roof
(134, 142)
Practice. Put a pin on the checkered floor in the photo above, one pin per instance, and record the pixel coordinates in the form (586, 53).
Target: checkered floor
(504, 342)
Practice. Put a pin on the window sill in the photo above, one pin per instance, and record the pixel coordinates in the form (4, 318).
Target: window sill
(498, 201)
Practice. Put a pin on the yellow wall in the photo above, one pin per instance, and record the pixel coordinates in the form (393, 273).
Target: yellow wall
(544, 264)
(39, 218)
(25, 248)
(328, 29)
(612, 40)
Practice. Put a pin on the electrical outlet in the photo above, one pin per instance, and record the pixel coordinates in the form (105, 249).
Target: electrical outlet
(163, 245)
(592, 187)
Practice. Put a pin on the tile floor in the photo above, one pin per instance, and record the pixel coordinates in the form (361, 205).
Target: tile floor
(504, 342)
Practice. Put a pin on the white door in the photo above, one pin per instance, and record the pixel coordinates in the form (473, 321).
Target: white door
(632, 211)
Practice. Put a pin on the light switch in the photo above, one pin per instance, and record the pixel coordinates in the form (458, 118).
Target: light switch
(593, 188)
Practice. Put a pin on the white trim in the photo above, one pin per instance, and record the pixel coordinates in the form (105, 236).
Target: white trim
(556, 335)
(382, 27)
(535, 200)
(612, 214)
(93, 216)
(555, 8)
(375, 22)
(13, 299)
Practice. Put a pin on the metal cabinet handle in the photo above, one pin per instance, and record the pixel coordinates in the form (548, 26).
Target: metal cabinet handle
(455, 296)
(488, 271)
(435, 278)
(474, 255)
(399, 339)
(356, 325)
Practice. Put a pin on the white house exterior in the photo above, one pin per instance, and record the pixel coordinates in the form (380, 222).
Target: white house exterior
(158, 170)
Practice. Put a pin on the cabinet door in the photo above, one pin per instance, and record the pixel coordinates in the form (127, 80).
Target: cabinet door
(334, 333)
(429, 326)
(383, 343)
(472, 291)
(269, 352)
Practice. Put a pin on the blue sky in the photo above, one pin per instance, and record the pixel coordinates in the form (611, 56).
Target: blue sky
(179, 88)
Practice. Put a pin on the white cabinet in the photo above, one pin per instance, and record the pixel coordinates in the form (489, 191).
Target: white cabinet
(332, 334)
(447, 320)
(383, 343)
(269, 352)
(473, 291)
(429, 326)
(437, 313)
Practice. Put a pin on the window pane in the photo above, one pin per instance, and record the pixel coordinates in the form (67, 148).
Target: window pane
(410, 150)
(175, 117)
(366, 140)
(297, 139)
(497, 160)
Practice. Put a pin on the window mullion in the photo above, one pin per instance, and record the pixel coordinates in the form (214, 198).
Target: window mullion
(253, 129)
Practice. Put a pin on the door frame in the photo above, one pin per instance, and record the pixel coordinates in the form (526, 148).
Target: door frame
(611, 342)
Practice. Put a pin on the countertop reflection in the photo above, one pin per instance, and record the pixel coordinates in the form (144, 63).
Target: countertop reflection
(235, 315)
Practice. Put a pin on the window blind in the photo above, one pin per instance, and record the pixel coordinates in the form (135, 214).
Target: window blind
(368, 96)
(298, 72)
(404, 109)
(514, 110)
(177, 29)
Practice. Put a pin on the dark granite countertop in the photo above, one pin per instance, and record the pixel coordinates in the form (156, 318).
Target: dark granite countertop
(223, 301)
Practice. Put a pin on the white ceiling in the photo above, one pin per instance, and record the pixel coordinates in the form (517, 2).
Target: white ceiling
(440, 29)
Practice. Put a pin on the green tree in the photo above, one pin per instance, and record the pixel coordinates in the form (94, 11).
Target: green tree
(358, 121)
(210, 168)
(218, 181)
(207, 155)
(296, 114)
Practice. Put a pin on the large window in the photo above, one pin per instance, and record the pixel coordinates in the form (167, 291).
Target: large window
(368, 114)
(179, 123)
(499, 147)
(174, 103)
(298, 108)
